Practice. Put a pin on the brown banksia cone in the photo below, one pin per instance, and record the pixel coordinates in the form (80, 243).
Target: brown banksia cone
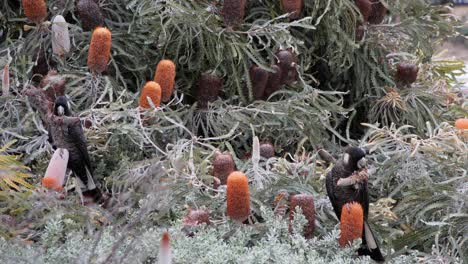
(267, 150)
(287, 63)
(233, 12)
(294, 7)
(90, 14)
(43, 64)
(259, 80)
(306, 203)
(165, 76)
(35, 10)
(151, 90)
(208, 87)
(351, 223)
(223, 166)
(99, 50)
(238, 196)
(407, 73)
(54, 85)
(274, 81)
(378, 12)
(197, 217)
(365, 7)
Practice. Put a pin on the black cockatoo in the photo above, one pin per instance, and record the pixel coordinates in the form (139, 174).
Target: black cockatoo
(353, 160)
(66, 132)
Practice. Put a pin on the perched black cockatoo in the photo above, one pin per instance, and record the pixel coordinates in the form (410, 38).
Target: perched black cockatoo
(66, 132)
(353, 160)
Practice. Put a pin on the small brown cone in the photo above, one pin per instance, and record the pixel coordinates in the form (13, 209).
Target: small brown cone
(35, 10)
(365, 7)
(165, 75)
(274, 81)
(292, 6)
(306, 203)
(90, 14)
(407, 73)
(238, 196)
(267, 150)
(223, 166)
(233, 12)
(259, 80)
(99, 50)
(352, 223)
(208, 88)
(378, 13)
(151, 90)
(287, 62)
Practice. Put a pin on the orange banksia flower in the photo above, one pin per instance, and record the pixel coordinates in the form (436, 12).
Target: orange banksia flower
(151, 90)
(165, 76)
(306, 203)
(99, 50)
(352, 223)
(238, 196)
(35, 10)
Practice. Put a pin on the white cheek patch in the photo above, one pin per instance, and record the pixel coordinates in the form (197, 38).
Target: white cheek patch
(346, 158)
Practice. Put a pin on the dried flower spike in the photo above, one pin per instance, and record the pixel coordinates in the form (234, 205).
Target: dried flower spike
(208, 88)
(56, 171)
(99, 50)
(365, 7)
(90, 14)
(60, 36)
(165, 76)
(238, 196)
(233, 12)
(223, 166)
(351, 224)
(306, 203)
(292, 6)
(151, 90)
(287, 63)
(35, 10)
(274, 82)
(259, 79)
(378, 12)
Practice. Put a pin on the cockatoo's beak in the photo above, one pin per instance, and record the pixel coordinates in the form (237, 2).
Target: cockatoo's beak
(60, 110)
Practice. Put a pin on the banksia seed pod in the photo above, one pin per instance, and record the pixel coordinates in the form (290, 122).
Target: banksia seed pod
(267, 150)
(165, 76)
(208, 88)
(223, 166)
(292, 6)
(306, 203)
(99, 50)
(197, 217)
(365, 7)
(287, 63)
(259, 79)
(274, 81)
(461, 123)
(233, 12)
(60, 36)
(378, 12)
(90, 14)
(165, 255)
(56, 171)
(351, 223)
(407, 73)
(151, 90)
(238, 196)
(35, 10)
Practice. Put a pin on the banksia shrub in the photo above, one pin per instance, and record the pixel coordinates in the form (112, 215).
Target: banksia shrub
(56, 171)
(292, 6)
(407, 73)
(238, 196)
(274, 81)
(208, 87)
(267, 150)
(151, 90)
(461, 123)
(99, 50)
(259, 80)
(165, 255)
(365, 7)
(60, 36)
(89, 14)
(287, 63)
(351, 223)
(35, 10)
(165, 76)
(197, 217)
(223, 166)
(378, 12)
(306, 203)
(233, 12)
